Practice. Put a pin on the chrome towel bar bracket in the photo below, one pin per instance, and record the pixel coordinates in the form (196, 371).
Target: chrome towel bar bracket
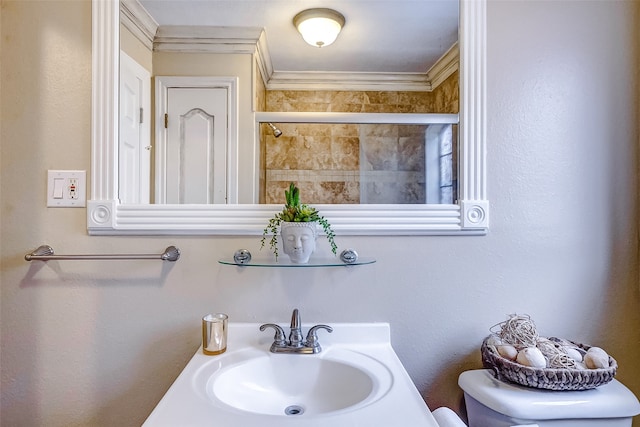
(45, 253)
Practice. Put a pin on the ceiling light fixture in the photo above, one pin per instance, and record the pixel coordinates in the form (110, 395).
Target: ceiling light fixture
(319, 27)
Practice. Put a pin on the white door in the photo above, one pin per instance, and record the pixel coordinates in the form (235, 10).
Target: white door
(196, 126)
(196, 139)
(134, 158)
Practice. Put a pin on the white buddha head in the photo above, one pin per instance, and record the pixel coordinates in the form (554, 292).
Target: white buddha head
(299, 240)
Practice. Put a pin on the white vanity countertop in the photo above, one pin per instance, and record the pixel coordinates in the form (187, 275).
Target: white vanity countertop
(188, 404)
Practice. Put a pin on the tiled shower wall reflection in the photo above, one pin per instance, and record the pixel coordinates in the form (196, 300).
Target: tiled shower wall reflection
(351, 163)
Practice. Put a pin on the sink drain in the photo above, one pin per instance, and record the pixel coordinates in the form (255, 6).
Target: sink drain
(294, 410)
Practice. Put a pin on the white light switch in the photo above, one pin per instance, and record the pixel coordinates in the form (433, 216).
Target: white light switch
(66, 189)
(58, 188)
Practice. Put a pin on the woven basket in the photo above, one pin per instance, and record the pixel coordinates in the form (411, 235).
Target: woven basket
(546, 378)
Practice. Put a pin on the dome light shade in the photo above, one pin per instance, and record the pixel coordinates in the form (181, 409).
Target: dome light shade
(319, 27)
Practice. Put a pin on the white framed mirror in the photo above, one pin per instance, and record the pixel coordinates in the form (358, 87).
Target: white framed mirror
(107, 215)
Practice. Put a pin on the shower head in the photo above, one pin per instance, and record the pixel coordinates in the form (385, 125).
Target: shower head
(276, 132)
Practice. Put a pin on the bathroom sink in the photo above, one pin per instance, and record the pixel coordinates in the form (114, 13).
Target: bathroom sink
(294, 385)
(357, 379)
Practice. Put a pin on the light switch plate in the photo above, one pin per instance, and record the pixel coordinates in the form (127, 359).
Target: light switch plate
(66, 189)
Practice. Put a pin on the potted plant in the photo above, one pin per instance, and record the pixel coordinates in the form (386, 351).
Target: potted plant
(297, 225)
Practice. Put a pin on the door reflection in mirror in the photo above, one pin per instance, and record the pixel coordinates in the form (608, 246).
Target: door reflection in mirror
(196, 144)
(193, 139)
(134, 149)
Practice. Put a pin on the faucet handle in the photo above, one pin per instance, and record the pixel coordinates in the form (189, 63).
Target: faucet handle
(278, 338)
(312, 338)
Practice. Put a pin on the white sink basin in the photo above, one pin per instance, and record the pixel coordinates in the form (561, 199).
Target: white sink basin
(295, 385)
(357, 379)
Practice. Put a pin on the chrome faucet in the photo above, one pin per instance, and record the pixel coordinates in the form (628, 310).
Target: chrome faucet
(296, 343)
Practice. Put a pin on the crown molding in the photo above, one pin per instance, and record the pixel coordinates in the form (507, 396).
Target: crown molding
(200, 39)
(138, 21)
(263, 59)
(446, 65)
(310, 80)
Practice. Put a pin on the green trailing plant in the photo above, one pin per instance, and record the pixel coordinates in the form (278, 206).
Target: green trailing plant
(294, 211)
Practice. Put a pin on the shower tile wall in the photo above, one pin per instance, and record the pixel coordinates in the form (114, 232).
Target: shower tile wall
(326, 161)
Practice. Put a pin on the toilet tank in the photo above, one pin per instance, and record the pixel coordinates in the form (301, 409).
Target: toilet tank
(493, 403)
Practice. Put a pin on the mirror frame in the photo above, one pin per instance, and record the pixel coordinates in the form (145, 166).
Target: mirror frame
(107, 216)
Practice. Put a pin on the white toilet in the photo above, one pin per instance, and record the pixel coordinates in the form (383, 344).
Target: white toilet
(493, 403)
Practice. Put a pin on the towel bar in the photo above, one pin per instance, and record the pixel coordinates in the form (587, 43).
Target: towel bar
(45, 253)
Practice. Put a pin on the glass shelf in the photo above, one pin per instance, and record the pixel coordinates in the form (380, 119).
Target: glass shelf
(282, 262)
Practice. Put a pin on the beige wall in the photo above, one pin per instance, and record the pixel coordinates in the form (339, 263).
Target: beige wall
(96, 343)
(135, 49)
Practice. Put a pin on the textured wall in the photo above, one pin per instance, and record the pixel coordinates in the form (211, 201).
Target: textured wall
(444, 99)
(327, 161)
(98, 343)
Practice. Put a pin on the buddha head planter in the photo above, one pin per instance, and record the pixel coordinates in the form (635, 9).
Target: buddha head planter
(297, 223)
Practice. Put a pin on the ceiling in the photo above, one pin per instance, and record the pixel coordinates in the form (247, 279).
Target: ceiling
(380, 36)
